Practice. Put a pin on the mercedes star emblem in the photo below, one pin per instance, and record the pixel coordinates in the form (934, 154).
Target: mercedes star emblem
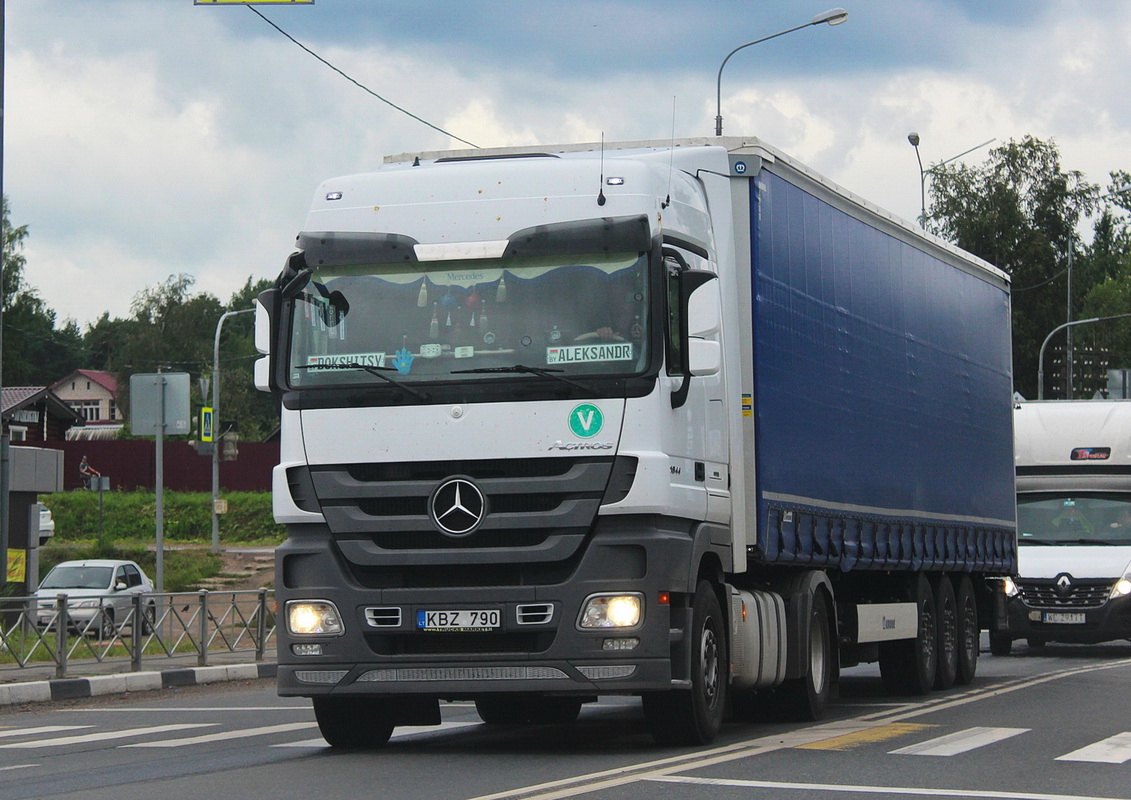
(457, 506)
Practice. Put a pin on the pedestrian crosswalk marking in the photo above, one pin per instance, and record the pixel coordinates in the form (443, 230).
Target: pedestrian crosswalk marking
(8, 734)
(64, 741)
(398, 733)
(880, 733)
(959, 742)
(225, 735)
(1113, 750)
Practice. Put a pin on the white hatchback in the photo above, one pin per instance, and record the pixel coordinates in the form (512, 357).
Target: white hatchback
(100, 596)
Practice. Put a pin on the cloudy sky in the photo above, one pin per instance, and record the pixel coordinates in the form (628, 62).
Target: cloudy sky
(147, 138)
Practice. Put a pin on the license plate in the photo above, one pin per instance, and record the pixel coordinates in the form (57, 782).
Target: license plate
(461, 620)
(1064, 618)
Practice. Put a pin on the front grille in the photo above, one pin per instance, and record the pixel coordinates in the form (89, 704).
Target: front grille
(1081, 594)
(455, 644)
(527, 500)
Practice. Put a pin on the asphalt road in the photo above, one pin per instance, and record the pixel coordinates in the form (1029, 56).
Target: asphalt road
(1043, 724)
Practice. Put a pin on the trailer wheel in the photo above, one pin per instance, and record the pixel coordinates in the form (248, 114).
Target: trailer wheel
(694, 717)
(527, 710)
(969, 634)
(806, 699)
(947, 632)
(908, 666)
(1001, 643)
(354, 723)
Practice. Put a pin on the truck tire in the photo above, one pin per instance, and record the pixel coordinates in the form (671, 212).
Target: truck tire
(1001, 643)
(806, 699)
(353, 723)
(527, 710)
(946, 611)
(908, 666)
(969, 634)
(694, 716)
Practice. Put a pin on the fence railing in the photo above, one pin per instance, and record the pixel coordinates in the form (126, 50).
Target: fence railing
(71, 630)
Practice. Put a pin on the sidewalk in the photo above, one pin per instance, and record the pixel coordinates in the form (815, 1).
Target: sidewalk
(38, 684)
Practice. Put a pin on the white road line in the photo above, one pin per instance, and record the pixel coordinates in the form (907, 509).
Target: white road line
(17, 766)
(64, 741)
(1113, 750)
(959, 742)
(39, 731)
(398, 733)
(225, 735)
(901, 790)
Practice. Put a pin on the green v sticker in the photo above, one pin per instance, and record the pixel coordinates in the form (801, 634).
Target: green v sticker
(586, 420)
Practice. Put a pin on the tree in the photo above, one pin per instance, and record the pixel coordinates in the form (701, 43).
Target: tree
(35, 351)
(1108, 262)
(256, 412)
(1020, 211)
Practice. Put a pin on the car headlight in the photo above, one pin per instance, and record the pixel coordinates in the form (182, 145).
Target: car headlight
(1122, 587)
(313, 617)
(612, 611)
(1009, 587)
(84, 603)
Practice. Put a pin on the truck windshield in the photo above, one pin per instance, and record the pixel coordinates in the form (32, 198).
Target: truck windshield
(1074, 519)
(429, 322)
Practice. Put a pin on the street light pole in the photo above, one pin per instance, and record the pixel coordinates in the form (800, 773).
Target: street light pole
(1053, 332)
(914, 139)
(215, 424)
(833, 16)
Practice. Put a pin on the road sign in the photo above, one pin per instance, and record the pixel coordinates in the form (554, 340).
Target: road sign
(206, 433)
(150, 394)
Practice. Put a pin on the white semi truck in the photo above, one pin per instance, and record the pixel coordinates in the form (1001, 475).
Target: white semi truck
(681, 420)
(1073, 525)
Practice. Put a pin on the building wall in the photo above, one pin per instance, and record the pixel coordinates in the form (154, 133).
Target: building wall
(132, 464)
(80, 391)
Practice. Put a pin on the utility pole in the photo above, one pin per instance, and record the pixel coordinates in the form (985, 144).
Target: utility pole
(215, 423)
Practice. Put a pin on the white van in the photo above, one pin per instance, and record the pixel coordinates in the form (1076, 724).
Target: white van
(1073, 524)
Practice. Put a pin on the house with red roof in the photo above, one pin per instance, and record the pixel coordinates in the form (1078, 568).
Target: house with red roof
(93, 394)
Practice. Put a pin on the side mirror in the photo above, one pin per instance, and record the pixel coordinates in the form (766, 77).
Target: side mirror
(699, 315)
(120, 586)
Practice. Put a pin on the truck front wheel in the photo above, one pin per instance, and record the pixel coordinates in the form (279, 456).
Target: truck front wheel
(806, 699)
(355, 722)
(694, 717)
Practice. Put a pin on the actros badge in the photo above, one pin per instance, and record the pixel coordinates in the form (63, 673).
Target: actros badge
(457, 506)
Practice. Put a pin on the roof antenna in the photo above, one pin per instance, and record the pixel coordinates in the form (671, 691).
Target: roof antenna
(671, 157)
(601, 188)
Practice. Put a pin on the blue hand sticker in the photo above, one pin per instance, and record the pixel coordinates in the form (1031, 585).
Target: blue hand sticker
(402, 360)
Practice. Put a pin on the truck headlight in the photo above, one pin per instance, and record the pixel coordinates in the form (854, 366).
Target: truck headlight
(313, 617)
(1009, 587)
(1122, 588)
(612, 611)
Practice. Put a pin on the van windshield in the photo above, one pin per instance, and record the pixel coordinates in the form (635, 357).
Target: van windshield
(1074, 519)
(425, 322)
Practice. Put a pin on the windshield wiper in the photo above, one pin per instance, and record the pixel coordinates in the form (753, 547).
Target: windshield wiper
(523, 369)
(379, 372)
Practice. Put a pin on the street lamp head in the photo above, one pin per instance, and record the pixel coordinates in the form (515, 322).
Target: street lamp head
(834, 16)
(913, 138)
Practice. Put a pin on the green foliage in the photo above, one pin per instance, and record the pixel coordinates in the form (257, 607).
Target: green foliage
(1019, 211)
(130, 517)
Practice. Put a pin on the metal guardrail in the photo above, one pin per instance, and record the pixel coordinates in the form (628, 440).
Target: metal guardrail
(73, 630)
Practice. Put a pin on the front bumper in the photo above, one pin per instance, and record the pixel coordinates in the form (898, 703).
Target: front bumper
(545, 656)
(1106, 623)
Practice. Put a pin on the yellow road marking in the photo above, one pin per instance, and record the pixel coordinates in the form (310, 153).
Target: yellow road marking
(879, 734)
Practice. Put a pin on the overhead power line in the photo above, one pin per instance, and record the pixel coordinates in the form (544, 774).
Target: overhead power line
(356, 83)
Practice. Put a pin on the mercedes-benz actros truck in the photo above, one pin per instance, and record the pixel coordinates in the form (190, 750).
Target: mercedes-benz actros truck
(679, 420)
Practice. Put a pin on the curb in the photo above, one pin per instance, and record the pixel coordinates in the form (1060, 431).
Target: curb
(80, 688)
